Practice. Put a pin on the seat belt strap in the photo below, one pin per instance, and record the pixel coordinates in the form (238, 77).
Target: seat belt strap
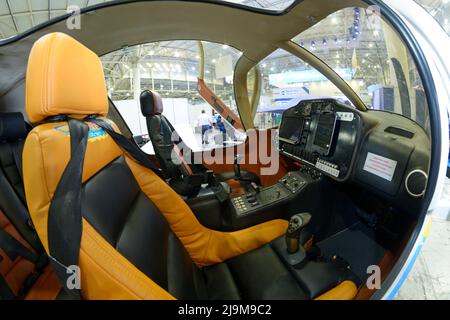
(17, 154)
(130, 147)
(64, 216)
(13, 248)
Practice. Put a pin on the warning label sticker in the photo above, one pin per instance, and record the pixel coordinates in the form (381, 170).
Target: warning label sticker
(380, 166)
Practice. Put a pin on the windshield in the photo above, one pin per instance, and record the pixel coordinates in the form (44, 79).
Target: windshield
(171, 68)
(370, 56)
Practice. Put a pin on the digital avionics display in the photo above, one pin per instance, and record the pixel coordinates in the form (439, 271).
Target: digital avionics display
(291, 130)
(324, 133)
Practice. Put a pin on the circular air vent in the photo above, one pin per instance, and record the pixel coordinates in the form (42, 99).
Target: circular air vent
(416, 183)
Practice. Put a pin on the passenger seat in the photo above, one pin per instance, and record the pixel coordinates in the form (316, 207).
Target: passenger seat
(167, 142)
(19, 278)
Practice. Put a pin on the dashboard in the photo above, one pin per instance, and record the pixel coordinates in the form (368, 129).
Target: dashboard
(322, 134)
(383, 152)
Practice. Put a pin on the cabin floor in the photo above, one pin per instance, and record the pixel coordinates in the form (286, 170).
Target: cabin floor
(429, 278)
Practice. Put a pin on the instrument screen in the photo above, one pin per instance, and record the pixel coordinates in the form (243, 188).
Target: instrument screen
(291, 130)
(322, 134)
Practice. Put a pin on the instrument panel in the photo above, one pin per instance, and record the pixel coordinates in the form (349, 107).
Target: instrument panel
(322, 134)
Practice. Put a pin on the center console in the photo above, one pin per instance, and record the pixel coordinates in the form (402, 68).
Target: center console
(262, 204)
(292, 193)
(259, 198)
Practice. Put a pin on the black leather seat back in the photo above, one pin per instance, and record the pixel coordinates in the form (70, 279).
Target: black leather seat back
(13, 131)
(124, 216)
(163, 136)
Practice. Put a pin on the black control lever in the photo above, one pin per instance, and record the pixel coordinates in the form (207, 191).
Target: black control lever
(296, 225)
(237, 166)
(211, 178)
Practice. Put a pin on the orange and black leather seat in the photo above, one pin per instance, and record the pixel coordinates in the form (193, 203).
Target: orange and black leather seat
(139, 239)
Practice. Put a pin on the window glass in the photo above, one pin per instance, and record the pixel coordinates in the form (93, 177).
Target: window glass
(220, 61)
(372, 58)
(171, 68)
(286, 80)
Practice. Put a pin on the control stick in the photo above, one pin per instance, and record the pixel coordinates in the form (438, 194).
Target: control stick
(296, 225)
(237, 166)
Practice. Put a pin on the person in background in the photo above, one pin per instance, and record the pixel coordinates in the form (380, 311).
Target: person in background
(221, 127)
(204, 121)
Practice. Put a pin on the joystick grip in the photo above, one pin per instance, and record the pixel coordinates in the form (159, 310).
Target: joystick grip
(296, 224)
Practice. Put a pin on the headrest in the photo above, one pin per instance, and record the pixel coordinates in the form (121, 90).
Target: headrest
(12, 127)
(64, 78)
(151, 103)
